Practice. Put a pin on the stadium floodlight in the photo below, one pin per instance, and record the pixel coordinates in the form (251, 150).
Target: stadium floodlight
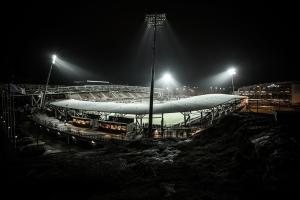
(53, 58)
(232, 72)
(153, 20)
(46, 87)
(167, 78)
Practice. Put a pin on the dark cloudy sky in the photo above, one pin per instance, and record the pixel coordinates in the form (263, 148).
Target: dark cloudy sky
(109, 42)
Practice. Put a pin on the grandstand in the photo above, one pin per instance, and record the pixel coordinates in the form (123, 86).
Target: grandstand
(95, 93)
(122, 110)
(108, 96)
(176, 116)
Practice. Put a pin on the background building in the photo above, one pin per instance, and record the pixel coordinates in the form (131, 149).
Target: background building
(272, 96)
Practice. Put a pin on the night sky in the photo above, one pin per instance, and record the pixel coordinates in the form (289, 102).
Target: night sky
(109, 42)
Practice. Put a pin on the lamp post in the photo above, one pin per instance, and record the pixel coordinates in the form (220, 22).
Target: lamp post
(153, 20)
(232, 72)
(46, 88)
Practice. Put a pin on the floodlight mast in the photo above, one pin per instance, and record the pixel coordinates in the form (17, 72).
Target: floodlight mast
(46, 87)
(153, 20)
(232, 72)
(232, 84)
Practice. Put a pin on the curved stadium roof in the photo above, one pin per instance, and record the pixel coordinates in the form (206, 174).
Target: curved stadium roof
(183, 105)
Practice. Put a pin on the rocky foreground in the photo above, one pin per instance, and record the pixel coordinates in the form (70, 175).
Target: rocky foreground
(244, 156)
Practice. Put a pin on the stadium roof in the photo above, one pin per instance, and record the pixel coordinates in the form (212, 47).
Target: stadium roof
(183, 105)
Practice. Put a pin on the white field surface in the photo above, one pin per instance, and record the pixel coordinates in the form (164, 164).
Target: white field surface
(169, 118)
(183, 105)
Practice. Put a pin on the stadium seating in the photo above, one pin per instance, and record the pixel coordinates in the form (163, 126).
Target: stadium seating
(123, 96)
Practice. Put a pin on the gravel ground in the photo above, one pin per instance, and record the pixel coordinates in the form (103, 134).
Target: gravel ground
(244, 156)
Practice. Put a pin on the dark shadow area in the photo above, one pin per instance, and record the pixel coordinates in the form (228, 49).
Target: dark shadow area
(244, 156)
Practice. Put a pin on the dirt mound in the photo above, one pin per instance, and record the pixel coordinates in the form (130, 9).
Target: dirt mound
(244, 156)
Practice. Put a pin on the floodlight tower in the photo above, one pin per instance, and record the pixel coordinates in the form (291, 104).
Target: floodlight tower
(153, 21)
(232, 72)
(46, 88)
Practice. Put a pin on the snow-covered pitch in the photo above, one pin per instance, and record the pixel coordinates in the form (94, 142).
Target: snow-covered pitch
(183, 105)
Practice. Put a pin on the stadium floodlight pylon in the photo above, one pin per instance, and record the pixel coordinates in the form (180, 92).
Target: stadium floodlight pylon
(153, 21)
(232, 72)
(46, 88)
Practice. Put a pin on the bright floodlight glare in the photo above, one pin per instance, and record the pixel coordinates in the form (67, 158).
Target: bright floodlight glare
(167, 77)
(231, 71)
(53, 59)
